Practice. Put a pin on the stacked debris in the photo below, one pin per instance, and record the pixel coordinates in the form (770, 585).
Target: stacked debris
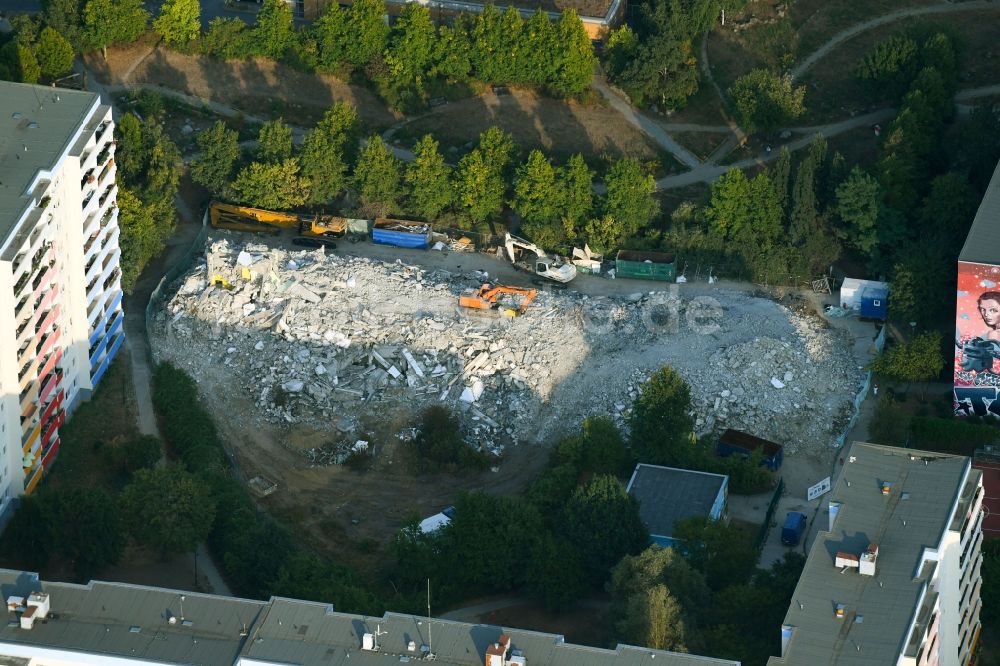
(324, 339)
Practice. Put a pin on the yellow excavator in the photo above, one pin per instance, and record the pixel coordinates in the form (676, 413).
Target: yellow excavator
(487, 298)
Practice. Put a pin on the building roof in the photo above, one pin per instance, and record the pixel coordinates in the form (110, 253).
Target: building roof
(667, 494)
(133, 622)
(879, 609)
(982, 245)
(43, 120)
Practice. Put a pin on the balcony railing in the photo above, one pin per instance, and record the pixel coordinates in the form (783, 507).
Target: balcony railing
(102, 156)
(104, 196)
(86, 199)
(101, 129)
(104, 172)
(87, 178)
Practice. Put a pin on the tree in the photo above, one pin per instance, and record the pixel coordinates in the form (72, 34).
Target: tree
(140, 238)
(661, 425)
(727, 209)
(412, 46)
(168, 509)
(653, 618)
(366, 30)
(919, 360)
(858, 204)
(496, 39)
(81, 514)
(602, 522)
(555, 573)
(274, 31)
(54, 54)
(480, 182)
(575, 184)
(113, 21)
(274, 142)
(377, 178)
(597, 449)
(765, 101)
(179, 21)
(439, 440)
(573, 66)
(604, 234)
(228, 38)
(332, 35)
(663, 71)
(220, 149)
(629, 199)
(18, 63)
(904, 306)
(429, 179)
(65, 17)
(535, 192)
(326, 151)
(453, 52)
(273, 186)
(948, 211)
(890, 67)
(722, 553)
(658, 565)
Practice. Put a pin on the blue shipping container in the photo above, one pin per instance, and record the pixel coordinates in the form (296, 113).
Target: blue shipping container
(401, 238)
(874, 303)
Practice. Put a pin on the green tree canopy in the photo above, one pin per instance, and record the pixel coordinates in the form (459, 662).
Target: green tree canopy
(480, 180)
(83, 514)
(919, 360)
(765, 101)
(597, 449)
(661, 424)
(18, 63)
(66, 18)
(220, 150)
(555, 573)
(858, 204)
(107, 22)
(536, 197)
(179, 21)
(602, 522)
(274, 32)
(274, 142)
(168, 509)
(629, 199)
(573, 63)
(366, 30)
(429, 179)
(277, 186)
(575, 181)
(724, 554)
(378, 178)
(54, 53)
(326, 150)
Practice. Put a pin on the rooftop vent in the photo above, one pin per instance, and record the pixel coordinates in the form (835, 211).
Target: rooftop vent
(840, 611)
(16, 115)
(32, 125)
(135, 629)
(867, 560)
(886, 487)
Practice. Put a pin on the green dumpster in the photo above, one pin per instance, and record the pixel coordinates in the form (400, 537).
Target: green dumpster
(645, 265)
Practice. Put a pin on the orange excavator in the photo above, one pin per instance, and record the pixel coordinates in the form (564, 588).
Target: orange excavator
(487, 297)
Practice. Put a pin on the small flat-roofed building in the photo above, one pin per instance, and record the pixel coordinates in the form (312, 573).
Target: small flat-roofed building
(668, 494)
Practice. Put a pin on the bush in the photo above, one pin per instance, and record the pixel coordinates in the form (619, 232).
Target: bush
(228, 39)
(950, 435)
(440, 441)
(142, 452)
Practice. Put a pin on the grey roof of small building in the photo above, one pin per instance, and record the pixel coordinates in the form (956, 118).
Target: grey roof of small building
(667, 494)
(45, 127)
(982, 245)
(98, 618)
(924, 489)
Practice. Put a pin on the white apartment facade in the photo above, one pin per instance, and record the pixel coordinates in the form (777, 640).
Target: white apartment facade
(896, 577)
(60, 283)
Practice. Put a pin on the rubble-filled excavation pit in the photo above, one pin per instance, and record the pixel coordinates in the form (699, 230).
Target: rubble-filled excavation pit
(302, 354)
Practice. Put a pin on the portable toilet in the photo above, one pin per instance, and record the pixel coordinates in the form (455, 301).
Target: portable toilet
(874, 302)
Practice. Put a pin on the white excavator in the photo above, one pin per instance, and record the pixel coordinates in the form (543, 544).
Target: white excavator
(529, 257)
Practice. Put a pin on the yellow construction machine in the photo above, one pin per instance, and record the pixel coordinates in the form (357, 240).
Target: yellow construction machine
(488, 296)
(323, 226)
(244, 218)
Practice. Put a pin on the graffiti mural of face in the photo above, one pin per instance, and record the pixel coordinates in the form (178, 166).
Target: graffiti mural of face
(989, 310)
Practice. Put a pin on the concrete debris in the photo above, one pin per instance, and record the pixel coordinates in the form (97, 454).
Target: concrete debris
(330, 339)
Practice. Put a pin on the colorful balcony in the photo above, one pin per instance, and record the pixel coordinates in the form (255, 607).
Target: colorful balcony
(35, 478)
(51, 363)
(48, 343)
(96, 377)
(53, 405)
(50, 454)
(31, 438)
(50, 384)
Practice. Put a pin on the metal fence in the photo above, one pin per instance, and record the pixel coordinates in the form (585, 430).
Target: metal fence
(765, 528)
(183, 264)
(879, 343)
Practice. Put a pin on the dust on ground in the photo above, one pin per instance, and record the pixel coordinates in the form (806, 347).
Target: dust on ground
(774, 370)
(256, 86)
(558, 127)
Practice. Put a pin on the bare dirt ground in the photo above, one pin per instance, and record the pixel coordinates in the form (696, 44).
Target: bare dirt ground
(558, 127)
(702, 144)
(256, 86)
(816, 20)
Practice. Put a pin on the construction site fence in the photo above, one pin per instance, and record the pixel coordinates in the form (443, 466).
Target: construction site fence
(182, 265)
(879, 344)
(772, 506)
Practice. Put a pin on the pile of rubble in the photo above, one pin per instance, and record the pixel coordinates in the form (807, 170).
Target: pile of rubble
(323, 339)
